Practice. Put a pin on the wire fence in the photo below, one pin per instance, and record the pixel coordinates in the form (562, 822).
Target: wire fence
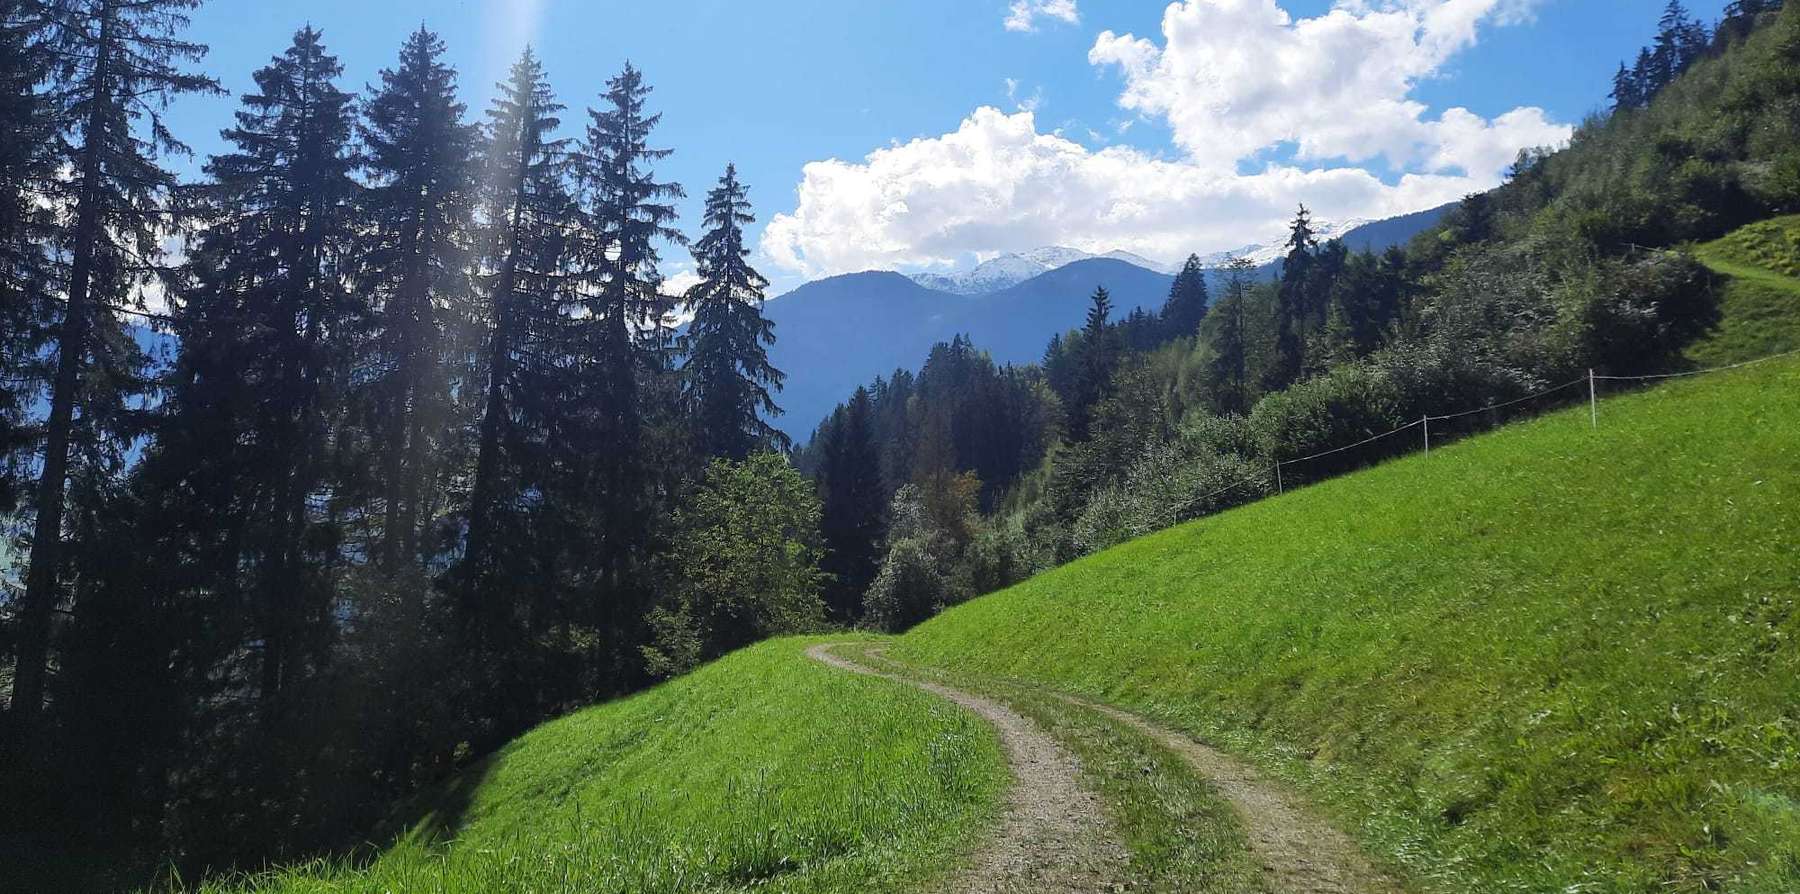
(1592, 380)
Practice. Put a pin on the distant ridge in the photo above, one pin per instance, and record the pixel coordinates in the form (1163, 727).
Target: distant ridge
(837, 333)
(1009, 270)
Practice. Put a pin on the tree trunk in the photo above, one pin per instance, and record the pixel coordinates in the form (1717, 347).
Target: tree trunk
(42, 579)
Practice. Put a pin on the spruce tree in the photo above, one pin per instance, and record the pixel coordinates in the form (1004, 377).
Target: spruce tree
(415, 271)
(1680, 42)
(1644, 77)
(27, 168)
(1229, 334)
(727, 376)
(1099, 356)
(853, 501)
(221, 601)
(526, 214)
(266, 333)
(1293, 305)
(1621, 94)
(1187, 302)
(620, 348)
(117, 63)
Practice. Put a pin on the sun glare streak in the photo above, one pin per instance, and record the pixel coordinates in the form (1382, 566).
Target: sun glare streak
(510, 25)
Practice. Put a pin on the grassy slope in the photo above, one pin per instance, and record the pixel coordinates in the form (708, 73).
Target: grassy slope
(1761, 301)
(763, 769)
(1548, 658)
(1393, 653)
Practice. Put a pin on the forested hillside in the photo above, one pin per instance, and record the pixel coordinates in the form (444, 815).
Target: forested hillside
(1584, 260)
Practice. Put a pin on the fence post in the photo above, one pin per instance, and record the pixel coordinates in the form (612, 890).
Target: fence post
(1426, 422)
(1279, 488)
(1593, 401)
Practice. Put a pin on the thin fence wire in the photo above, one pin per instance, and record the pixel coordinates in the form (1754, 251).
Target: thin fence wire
(1591, 379)
(1365, 441)
(1505, 404)
(1699, 372)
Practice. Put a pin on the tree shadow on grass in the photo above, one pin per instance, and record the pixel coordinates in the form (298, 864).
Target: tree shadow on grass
(435, 816)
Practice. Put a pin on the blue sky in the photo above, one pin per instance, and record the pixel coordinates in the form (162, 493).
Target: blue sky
(1095, 123)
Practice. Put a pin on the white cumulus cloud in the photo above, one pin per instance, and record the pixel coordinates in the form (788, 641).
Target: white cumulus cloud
(1233, 80)
(1023, 15)
(996, 184)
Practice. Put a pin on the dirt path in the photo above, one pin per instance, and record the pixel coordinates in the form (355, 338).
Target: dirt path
(1054, 837)
(1301, 852)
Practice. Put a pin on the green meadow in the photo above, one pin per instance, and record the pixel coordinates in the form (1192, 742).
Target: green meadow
(763, 770)
(1548, 658)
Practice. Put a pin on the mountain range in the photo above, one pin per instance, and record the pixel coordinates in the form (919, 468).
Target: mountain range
(837, 333)
(1009, 270)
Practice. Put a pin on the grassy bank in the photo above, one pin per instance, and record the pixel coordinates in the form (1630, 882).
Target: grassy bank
(1760, 301)
(1549, 658)
(763, 770)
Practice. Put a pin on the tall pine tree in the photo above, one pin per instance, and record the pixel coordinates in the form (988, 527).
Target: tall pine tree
(1187, 302)
(853, 501)
(415, 270)
(1098, 357)
(266, 336)
(118, 63)
(526, 215)
(620, 350)
(230, 539)
(27, 168)
(1293, 306)
(728, 376)
(1229, 370)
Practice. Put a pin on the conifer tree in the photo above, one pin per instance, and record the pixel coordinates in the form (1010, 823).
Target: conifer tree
(117, 63)
(1293, 308)
(526, 212)
(1627, 92)
(853, 500)
(1644, 77)
(266, 334)
(728, 377)
(620, 342)
(1680, 41)
(419, 163)
(26, 170)
(1230, 365)
(1187, 303)
(1098, 358)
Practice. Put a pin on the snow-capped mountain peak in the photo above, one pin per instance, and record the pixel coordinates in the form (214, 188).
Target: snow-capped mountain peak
(1276, 249)
(1011, 269)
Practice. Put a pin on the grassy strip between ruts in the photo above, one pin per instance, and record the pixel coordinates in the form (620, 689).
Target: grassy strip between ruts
(1545, 659)
(1181, 835)
(763, 770)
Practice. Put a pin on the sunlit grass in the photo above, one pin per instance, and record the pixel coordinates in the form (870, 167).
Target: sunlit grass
(1545, 659)
(1760, 303)
(763, 770)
